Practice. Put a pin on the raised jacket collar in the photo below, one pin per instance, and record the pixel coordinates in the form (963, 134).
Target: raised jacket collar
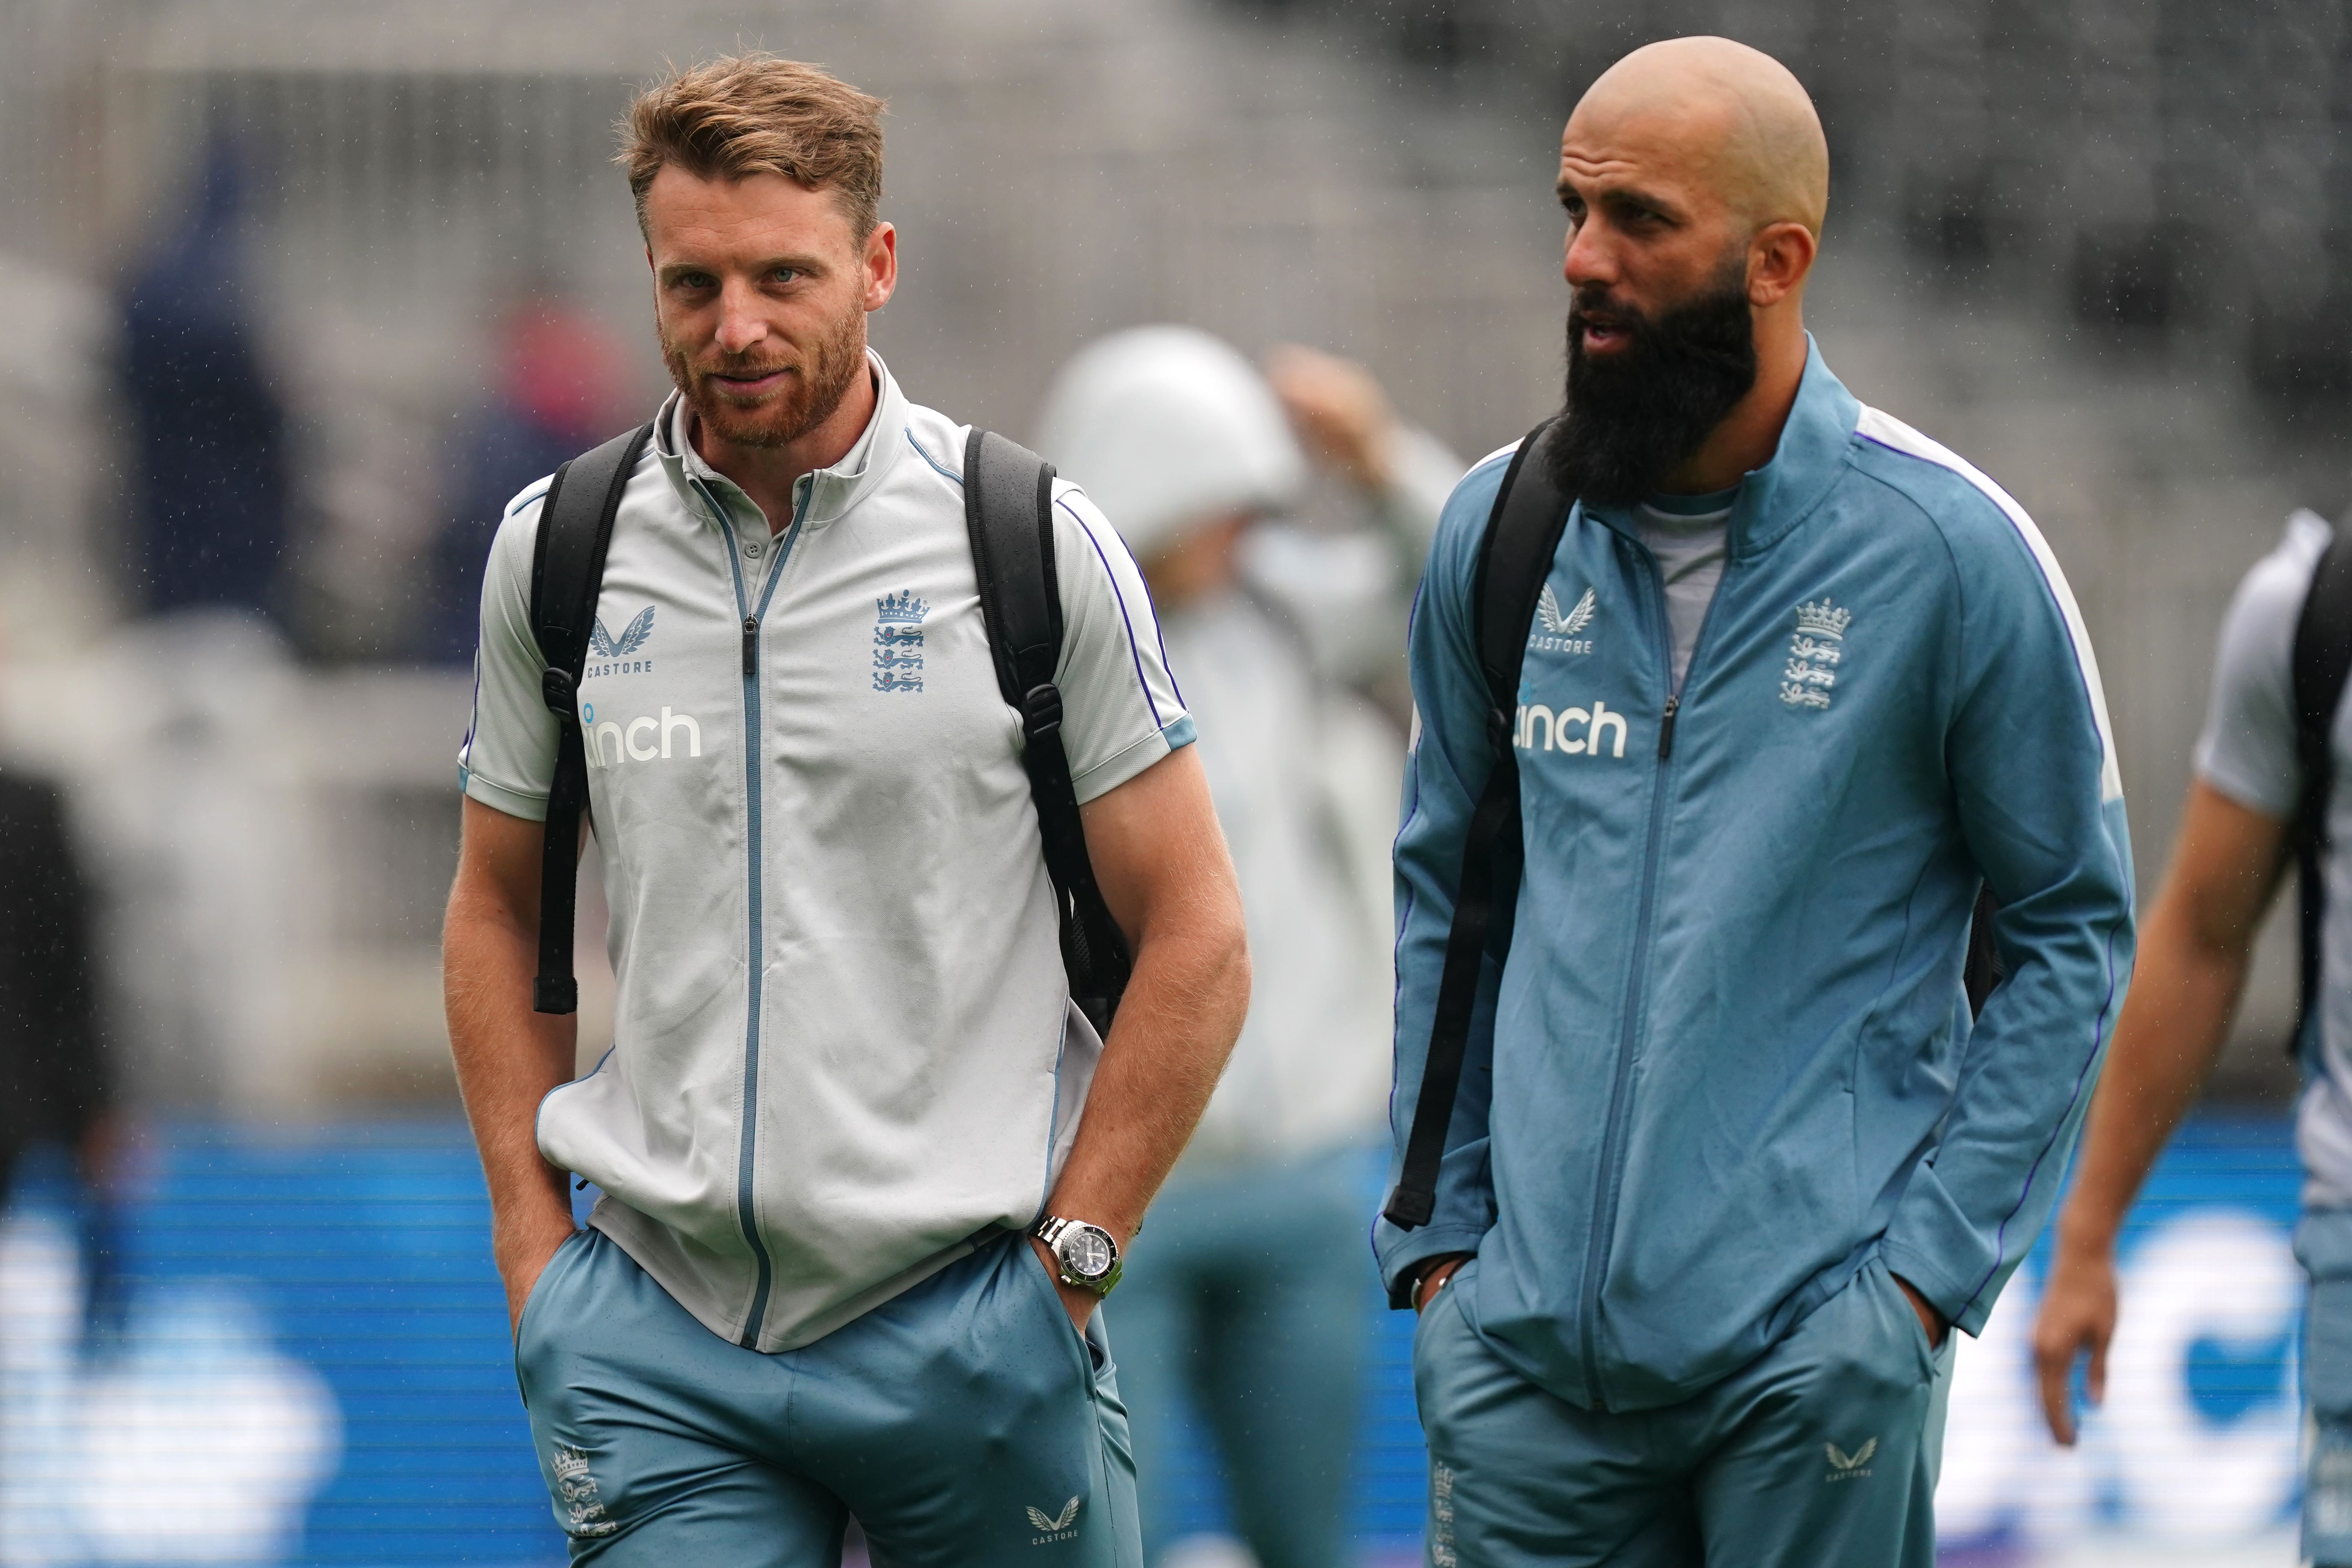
(1812, 452)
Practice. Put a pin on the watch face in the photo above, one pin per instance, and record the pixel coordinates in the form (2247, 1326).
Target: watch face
(1086, 1251)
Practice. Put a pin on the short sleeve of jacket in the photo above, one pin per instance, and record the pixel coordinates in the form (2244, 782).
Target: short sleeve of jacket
(1121, 710)
(2247, 750)
(507, 761)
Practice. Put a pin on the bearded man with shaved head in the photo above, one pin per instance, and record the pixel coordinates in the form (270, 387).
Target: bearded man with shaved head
(1717, 1155)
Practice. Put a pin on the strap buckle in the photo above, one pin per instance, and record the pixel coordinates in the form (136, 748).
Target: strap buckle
(557, 690)
(1041, 708)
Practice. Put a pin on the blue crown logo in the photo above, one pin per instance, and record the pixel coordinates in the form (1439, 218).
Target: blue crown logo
(902, 606)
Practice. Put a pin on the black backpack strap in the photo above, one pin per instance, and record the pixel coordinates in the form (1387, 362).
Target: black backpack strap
(1008, 506)
(1513, 558)
(2322, 659)
(1982, 970)
(567, 570)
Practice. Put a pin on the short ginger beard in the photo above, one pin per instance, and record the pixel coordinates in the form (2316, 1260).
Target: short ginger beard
(821, 377)
(1636, 415)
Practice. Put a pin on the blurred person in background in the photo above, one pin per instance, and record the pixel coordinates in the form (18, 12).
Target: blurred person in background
(208, 441)
(2256, 794)
(1251, 1298)
(562, 389)
(1728, 1165)
(852, 1120)
(56, 1093)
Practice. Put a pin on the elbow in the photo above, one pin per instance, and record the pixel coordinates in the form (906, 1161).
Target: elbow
(1224, 972)
(1233, 964)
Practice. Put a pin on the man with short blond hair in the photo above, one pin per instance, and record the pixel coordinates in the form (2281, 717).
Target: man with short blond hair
(852, 1122)
(1724, 1161)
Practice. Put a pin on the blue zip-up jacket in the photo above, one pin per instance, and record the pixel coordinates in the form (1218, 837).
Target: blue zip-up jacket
(1727, 1058)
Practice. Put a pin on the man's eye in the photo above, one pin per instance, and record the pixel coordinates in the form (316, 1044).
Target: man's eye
(786, 273)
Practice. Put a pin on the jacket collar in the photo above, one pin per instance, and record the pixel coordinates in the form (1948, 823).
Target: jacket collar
(1813, 450)
(1815, 444)
(819, 497)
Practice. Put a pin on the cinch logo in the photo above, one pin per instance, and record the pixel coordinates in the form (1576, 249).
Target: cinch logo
(611, 743)
(1537, 721)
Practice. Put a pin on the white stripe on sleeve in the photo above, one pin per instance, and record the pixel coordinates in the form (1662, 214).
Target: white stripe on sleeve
(1893, 434)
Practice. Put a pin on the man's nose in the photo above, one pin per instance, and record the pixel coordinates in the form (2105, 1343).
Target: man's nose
(1587, 260)
(740, 325)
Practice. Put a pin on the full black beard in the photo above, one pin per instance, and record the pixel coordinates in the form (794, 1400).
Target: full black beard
(1634, 415)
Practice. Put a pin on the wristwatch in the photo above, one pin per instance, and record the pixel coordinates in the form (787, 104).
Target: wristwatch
(1085, 1256)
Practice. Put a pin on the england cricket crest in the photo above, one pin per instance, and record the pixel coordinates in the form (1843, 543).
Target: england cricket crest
(1815, 651)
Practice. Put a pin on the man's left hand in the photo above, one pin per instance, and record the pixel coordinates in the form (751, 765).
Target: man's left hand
(1929, 1319)
(1077, 1299)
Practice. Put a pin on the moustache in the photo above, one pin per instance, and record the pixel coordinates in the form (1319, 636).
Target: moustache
(1594, 307)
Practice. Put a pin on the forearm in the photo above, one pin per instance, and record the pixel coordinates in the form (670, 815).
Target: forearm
(2172, 1029)
(1176, 1025)
(507, 1059)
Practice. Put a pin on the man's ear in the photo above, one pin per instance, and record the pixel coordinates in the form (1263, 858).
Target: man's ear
(881, 265)
(1778, 258)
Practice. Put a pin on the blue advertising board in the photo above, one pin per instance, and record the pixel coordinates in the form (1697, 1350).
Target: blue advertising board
(298, 1354)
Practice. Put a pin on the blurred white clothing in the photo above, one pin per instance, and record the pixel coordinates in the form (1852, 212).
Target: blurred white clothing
(1296, 764)
(1306, 773)
(1170, 430)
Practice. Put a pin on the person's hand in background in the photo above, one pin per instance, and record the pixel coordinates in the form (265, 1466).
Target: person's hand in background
(1341, 416)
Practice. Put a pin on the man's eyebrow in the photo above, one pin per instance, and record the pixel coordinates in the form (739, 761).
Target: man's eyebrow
(766, 264)
(1621, 196)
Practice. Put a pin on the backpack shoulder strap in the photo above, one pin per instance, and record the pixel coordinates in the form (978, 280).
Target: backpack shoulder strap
(2322, 660)
(1008, 508)
(1514, 556)
(567, 569)
(1523, 533)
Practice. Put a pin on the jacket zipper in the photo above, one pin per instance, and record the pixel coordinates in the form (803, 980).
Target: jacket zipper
(746, 1144)
(1613, 1153)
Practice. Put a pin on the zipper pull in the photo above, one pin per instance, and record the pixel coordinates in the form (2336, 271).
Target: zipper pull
(1667, 729)
(751, 646)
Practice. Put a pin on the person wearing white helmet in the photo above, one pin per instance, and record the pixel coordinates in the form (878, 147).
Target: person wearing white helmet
(1254, 1300)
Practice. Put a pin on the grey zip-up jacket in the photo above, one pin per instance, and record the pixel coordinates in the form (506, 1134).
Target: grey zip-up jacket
(842, 1044)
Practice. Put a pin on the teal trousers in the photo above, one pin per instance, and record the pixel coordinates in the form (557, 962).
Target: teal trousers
(2323, 1243)
(1246, 1305)
(965, 1424)
(1820, 1454)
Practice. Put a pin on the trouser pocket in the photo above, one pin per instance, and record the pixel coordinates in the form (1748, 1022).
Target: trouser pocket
(534, 1307)
(1093, 1340)
(1897, 1318)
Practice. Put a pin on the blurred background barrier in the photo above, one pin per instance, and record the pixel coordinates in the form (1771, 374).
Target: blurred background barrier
(292, 296)
(299, 1356)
